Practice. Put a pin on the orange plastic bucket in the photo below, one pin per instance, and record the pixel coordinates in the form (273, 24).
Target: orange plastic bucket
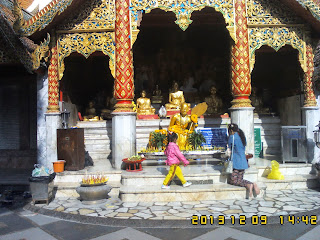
(58, 166)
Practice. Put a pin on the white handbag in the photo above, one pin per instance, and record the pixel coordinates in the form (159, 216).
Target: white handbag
(228, 165)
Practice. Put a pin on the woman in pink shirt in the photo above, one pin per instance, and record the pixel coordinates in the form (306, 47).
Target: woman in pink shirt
(174, 156)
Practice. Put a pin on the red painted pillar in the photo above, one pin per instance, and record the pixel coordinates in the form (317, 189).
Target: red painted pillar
(240, 68)
(123, 86)
(53, 82)
(310, 99)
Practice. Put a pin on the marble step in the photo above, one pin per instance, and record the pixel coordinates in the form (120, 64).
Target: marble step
(202, 192)
(154, 175)
(94, 141)
(97, 131)
(287, 169)
(97, 147)
(303, 181)
(161, 162)
(76, 176)
(97, 124)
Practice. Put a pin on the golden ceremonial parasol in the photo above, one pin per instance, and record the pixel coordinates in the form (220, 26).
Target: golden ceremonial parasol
(198, 110)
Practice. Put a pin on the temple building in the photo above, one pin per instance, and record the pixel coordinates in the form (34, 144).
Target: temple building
(254, 62)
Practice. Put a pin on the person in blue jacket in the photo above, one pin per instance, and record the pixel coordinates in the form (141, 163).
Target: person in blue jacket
(237, 144)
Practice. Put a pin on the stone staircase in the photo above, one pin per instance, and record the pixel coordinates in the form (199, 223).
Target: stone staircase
(296, 176)
(208, 183)
(98, 141)
(98, 135)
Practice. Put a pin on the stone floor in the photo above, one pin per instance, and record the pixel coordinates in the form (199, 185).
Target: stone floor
(275, 203)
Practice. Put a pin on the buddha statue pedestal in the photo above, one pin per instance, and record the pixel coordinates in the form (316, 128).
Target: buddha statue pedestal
(171, 112)
(225, 115)
(147, 117)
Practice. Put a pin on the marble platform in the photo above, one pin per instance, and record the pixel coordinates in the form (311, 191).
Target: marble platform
(208, 180)
(275, 203)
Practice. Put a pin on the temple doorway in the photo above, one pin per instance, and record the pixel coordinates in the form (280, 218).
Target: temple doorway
(277, 83)
(196, 58)
(87, 80)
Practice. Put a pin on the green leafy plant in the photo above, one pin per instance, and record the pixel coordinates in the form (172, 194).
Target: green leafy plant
(158, 139)
(196, 139)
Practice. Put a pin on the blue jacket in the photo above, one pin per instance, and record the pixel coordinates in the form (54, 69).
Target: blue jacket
(238, 157)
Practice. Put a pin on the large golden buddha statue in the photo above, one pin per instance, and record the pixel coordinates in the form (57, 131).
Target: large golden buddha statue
(182, 124)
(214, 102)
(176, 98)
(144, 105)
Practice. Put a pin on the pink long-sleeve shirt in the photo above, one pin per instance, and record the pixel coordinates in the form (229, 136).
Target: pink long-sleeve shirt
(174, 156)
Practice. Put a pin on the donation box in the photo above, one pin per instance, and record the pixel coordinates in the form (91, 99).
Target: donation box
(293, 141)
(71, 148)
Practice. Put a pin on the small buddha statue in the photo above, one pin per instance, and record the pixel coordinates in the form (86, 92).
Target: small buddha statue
(182, 124)
(157, 97)
(214, 102)
(109, 107)
(188, 85)
(257, 102)
(144, 105)
(176, 98)
(90, 112)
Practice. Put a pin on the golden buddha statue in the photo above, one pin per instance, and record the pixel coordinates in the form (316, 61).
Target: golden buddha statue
(214, 102)
(176, 98)
(144, 105)
(90, 113)
(182, 124)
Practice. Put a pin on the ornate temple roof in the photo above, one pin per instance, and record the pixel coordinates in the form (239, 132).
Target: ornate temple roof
(56, 10)
(25, 3)
(15, 49)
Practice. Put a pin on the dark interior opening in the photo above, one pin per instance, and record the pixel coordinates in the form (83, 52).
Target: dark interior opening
(277, 75)
(86, 80)
(164, 53)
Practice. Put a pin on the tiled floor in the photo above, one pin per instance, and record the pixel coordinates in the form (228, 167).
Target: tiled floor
(281, 202)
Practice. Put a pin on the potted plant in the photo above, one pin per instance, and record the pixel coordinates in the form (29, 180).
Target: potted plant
(196, 139)
(93, 189)
(158, 139)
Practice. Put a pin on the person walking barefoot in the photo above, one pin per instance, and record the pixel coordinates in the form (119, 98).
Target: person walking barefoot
(174, 156)
(237, 142)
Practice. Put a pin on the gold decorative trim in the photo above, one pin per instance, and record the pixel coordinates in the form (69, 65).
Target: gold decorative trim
(53, 109)
(270, 12)
(124, 107)
(93, 15)
(240, 103)
(86, 44)
(310, 103)
(277, 37)
(42, 51)
(41, 19)
(134, 36)
(183, 10)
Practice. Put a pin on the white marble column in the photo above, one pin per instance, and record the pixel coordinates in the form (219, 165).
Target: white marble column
(53, 122)
(311, 118)
(123, 137)
(42, 104)
(244, 118)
